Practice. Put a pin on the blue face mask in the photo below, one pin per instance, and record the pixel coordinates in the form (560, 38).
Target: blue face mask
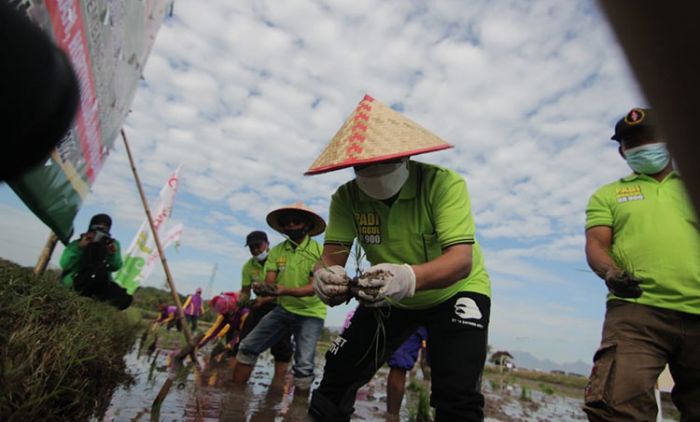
(649, 158)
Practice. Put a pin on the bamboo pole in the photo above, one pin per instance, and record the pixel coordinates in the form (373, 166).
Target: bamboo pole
(46, 253)
(166, 268)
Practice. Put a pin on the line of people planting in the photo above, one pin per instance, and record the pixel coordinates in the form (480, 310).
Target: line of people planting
(426, 282)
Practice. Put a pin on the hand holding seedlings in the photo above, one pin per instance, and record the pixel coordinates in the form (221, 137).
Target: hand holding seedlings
(623, 284)
(332, 284)
(382, 284)
(264, 289)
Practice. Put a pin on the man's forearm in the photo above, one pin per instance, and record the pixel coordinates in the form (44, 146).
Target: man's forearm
(453, 265)
(304, 291)
(600, 261)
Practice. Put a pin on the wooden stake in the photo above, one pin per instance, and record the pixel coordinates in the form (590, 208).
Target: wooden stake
(168, 275)
(46, 253)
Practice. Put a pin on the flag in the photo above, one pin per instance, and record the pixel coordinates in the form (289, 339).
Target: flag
(172, 236)
(108, 44)
(139, 258)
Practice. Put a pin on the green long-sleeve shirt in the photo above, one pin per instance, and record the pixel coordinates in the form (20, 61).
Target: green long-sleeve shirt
(73, 254)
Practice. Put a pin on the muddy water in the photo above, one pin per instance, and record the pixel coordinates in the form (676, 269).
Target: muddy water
(209, 395)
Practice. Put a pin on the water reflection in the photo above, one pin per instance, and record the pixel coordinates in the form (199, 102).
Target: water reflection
(210, 395)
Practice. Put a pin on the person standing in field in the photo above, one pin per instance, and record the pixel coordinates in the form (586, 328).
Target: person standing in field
(401, 361)
(643, 240)
(253, 272)
(288, 271)
(193, 308)
(414, 222)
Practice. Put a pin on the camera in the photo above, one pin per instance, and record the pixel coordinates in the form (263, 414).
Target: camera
(101, 236)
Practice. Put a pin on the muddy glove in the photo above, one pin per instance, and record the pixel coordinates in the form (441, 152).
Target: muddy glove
(331, 285)
(264, 289)
(623, 284)
(386, 281)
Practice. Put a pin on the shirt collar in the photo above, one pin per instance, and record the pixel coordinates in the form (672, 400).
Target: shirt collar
(304, 243)
(635, 176)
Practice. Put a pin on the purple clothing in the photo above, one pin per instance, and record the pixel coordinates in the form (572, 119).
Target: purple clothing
(348, 319)
(405, 356)
(194, 305)
(235, 321)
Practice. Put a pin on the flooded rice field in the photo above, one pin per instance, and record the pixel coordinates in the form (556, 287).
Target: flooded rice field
(209, 395)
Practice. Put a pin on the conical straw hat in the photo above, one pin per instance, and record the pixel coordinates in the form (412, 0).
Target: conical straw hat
(318, 224)
(373, 133)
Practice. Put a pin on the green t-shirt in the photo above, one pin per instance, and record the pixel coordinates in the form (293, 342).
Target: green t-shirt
(655, 237)
(431, 213)
(73, 254)
(293, 268)
(253, 272)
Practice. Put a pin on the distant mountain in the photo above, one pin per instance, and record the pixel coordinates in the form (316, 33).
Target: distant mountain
(528, 361)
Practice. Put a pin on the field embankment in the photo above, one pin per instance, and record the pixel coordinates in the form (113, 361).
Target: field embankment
(61, 355)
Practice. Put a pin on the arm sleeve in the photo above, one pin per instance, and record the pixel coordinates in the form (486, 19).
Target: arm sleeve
(245, 276)
(70, 258)
(341, 221)
(271, 262)
(212, 331)
(598, 211)
(187, 303)
(451, 209)
(115, 261)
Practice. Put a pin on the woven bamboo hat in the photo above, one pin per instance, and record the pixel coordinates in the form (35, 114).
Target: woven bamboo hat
(374, 133)
(318, 224)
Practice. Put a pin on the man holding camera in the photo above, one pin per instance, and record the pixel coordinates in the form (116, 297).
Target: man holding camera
(88, 264)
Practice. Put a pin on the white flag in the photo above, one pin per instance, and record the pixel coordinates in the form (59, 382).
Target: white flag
(172, 236)
(133, 273)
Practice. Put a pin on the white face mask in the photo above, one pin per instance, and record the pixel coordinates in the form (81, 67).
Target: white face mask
(261, 256)
(382, 181)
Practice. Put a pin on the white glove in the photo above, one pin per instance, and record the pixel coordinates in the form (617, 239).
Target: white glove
(331, 284)
(386, 281)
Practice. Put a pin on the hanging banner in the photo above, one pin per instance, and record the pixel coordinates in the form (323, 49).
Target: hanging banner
(142, 252)
(108, 42)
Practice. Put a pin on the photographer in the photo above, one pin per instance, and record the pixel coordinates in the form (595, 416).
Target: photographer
(88, 264)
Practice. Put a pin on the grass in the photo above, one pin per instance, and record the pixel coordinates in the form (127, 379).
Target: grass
(421, 411)
(61, 355)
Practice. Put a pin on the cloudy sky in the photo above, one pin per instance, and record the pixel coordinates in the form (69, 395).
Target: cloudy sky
(246, 94)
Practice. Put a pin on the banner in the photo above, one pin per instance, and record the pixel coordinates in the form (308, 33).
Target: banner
(142, 253)
(108, 43)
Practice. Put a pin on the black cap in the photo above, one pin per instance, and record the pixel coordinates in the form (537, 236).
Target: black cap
(100, 219)
(637, 121)
(255, 238)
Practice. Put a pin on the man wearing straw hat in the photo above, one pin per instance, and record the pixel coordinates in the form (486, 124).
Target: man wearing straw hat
(288, 272)
(414, 222)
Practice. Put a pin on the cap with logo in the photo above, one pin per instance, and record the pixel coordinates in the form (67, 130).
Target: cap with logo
(375, 133)
(639, 121)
